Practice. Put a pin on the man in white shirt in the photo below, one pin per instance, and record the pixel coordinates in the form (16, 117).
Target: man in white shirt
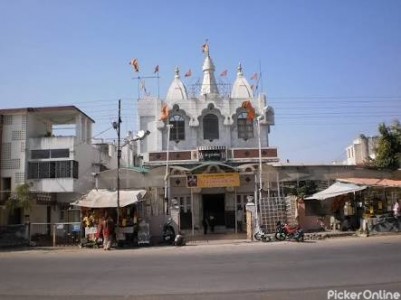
(240, 218)
(397, 209)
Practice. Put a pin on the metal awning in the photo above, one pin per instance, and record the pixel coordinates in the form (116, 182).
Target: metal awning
(107, 198)
(336, 189)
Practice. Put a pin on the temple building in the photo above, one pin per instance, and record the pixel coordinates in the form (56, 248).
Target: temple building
(210, 139)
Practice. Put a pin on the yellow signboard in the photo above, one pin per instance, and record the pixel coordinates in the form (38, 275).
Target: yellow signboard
(213, 180)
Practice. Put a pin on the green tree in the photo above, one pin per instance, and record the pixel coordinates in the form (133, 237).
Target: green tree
(21, 198)
(303, 189)
(388, 151)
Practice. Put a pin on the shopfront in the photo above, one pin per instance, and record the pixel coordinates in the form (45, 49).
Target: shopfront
(98, 203)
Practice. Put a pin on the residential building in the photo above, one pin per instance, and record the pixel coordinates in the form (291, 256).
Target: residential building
(361, 150)
(50, 149)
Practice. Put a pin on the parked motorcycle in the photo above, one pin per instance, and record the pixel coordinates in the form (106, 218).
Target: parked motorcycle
(287, 232)
(179, 240)
(168, 233)
(260, 235)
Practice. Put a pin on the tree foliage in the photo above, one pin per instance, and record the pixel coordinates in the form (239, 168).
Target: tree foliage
(388, 151)
(303, 188)
(21, 198)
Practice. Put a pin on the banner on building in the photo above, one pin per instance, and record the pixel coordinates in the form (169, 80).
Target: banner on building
(213, 180)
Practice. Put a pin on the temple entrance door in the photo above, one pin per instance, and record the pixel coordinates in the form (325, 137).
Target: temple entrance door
(213, 205)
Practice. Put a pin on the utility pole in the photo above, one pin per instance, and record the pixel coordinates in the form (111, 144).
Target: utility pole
(166, 176)
(117, 126)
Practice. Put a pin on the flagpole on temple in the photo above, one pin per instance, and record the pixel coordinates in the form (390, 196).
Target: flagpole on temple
(260, 77)
(138, 87)
(158, 86)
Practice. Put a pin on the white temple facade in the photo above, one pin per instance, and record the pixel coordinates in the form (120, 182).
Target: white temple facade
(204, 134)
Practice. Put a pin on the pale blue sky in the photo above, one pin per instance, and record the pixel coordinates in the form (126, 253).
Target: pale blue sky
(331, 69)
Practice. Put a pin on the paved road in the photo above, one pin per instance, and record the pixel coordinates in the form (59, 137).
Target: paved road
(281, 270)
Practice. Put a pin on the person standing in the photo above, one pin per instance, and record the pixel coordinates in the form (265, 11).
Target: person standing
(397, 209)
(205, 225)
(108, 231)
(397, 214)
(240, 218)
(211, 223)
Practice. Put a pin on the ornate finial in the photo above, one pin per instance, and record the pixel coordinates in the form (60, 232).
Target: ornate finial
(239, 69)
(205, 47)
(177, 72)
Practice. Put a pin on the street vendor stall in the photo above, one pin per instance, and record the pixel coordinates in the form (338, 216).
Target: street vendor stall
(338, 202)
(378, 202)
(372, 208)
(97, 202)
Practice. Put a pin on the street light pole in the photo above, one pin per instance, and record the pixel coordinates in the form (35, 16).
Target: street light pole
(259, 198)
(138, 137)
(117, 126)
(166, 176)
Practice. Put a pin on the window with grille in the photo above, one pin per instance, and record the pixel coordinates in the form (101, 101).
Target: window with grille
(20, 177)
(59, 153)
(40, 154)
(177, 131)
(244, 126)
(210, 127)
(242, 200)
(52, 153)
(6, 151)
(8, 164)
(8, 120)
(185, 203)
(53, 169)
(18, 135)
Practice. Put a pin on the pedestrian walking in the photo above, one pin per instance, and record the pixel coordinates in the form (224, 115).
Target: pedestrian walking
(108, 231)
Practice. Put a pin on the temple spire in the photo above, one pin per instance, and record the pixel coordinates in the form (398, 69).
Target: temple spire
(209, 85)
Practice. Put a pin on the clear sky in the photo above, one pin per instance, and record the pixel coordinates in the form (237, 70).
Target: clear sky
(331, 69)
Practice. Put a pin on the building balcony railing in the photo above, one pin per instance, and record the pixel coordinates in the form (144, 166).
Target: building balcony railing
(53, 142)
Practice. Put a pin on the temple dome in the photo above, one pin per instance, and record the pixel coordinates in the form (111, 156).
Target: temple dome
(241, 87)
(177, 89)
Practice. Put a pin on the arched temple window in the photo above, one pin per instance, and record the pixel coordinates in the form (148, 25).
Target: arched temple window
(210, 127)
(244, 126)
(177, 132)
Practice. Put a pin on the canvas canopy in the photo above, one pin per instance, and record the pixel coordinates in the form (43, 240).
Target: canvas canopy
(107, 198)
(336, 189)
(373, 182)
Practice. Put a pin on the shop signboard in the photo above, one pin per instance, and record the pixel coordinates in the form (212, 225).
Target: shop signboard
(213, 180)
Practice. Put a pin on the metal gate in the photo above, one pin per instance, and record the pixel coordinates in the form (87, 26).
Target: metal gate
(275, 209)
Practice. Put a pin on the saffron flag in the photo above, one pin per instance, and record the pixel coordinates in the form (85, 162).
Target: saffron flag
(164, 113)
(189, 73)
(249, 109)
(255, 76)
(224, 73)
(135, 64)
(156, 69)
(205, 48)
